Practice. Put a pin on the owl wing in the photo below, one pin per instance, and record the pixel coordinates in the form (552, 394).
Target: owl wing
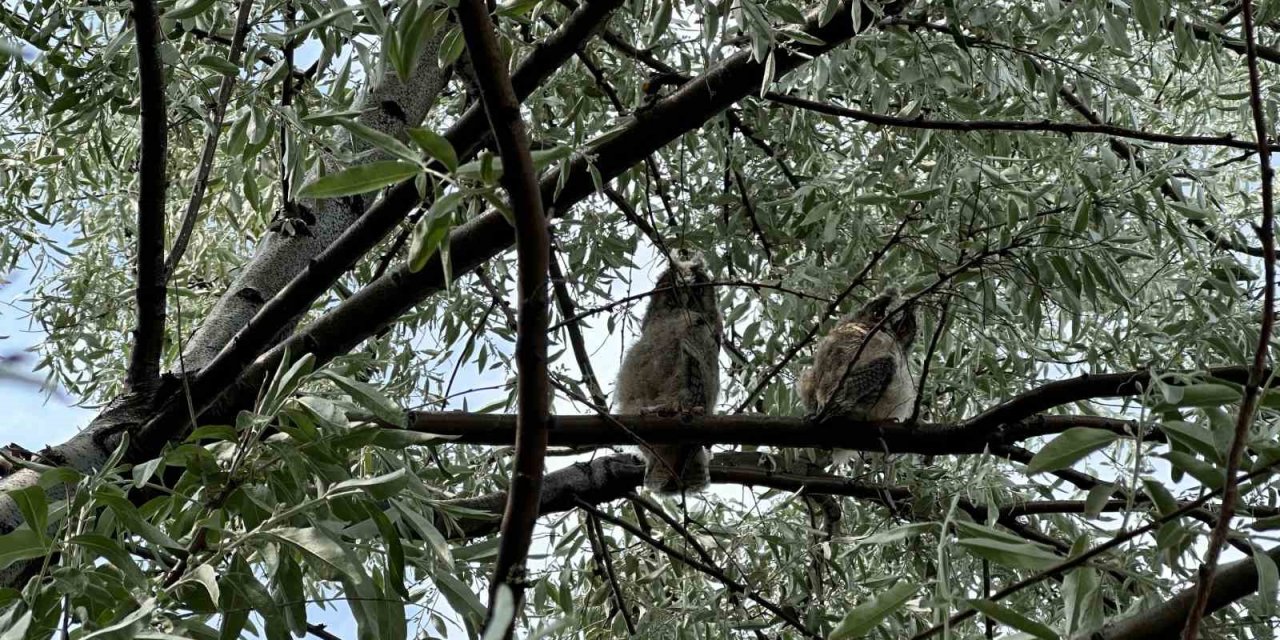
(865, 383)
(697, 362)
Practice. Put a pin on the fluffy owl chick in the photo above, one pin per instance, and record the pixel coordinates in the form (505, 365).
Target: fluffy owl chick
(875, 386)
(673, 368)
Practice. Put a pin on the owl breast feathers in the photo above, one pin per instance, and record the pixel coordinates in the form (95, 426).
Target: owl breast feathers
(674, 368)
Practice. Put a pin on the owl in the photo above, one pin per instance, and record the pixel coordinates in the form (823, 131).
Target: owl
(674, 368)
(877, 385)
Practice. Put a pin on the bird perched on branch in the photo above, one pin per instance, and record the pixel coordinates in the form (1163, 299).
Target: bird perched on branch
(673, 368)
(861, 368)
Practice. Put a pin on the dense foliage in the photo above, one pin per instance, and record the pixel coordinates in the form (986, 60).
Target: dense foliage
(1039, 250)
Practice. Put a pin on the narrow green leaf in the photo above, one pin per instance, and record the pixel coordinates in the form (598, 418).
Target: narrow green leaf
(867, 616)
(367, 396)
(219, 64)
(1007, 616)
(379, 140)
(360, 179)
(1069, 447)
(188, 9)
(504, 611)
(1097, 499)
(1267, 581)
(460, 596)
(1193, 437)
(436, 146)
(378, 487)
(1016, 555)
(21, 544)
(34, 505)
(321, 21)
(111, 550)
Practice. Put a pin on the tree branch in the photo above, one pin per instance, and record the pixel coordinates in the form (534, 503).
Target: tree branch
(1231, 583)
(211, 142)
(1083, 558)
(752, 429)
(1253, 388)
(564, 303)
(920, 122)
(707, 569)
(381, 302)
(220, 373)
(832, 309)
(533, 253)
(148, 334)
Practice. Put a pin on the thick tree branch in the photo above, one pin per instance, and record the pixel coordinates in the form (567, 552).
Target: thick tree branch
(751, 429)
(1089, 387)
(220, 373)
(533, 253)
(278, 260)
(1083, 558)
(1230, 584)
(205, 167)
(482, 238)
(148, 334)
(1253, 388)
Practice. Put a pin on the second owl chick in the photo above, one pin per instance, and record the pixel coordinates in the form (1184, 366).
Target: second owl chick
(674, 368)
(878, 384)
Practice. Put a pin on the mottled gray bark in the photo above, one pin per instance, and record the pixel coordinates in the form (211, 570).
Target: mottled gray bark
(1231, 583)
(392, 108)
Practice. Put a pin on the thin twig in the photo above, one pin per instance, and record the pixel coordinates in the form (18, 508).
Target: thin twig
(1249, 404)
(148, 334)
(750, 134)
(533, 389)
(928, 359)
(564, 302)
(745, 284)
(750, 210)
(709, 570)
(832, 309)
(919, 122)
(595, 533)
(207, 155)
(1080, 560)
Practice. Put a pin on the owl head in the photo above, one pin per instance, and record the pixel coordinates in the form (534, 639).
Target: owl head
(902, 323)
(685, 284)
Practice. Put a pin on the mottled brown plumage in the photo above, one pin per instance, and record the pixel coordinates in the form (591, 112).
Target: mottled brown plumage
(878, 384)
(674, 368)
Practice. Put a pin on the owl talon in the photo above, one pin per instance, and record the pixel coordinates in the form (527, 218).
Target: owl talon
(659, 410)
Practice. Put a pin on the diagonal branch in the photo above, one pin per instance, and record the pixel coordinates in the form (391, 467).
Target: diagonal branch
(148, 333)
(832, 309)
(604, 563)
(1083, 558)
(533, 253)
(211, 141)
(484, 237)
(293, 299)
(1231, 583)
(564, 303)
(1253, 388)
